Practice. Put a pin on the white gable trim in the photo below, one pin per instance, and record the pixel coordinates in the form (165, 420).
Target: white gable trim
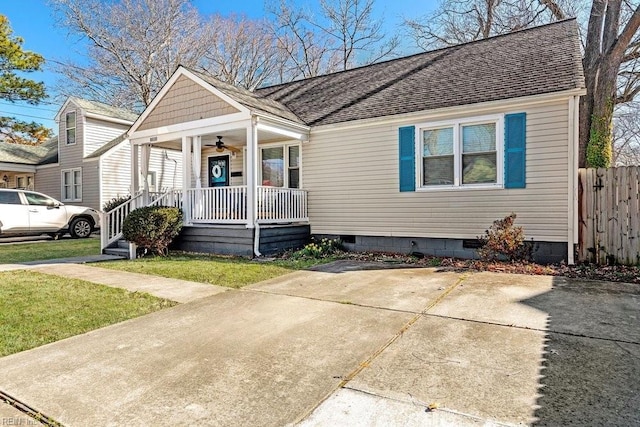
(64, 107)
(181, 71)
(107, 118)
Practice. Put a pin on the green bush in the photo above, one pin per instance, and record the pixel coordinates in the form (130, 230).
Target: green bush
(504, 240)
(153, 228)
(115, 202)
(320, 249)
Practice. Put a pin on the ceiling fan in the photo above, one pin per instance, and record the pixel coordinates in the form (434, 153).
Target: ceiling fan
(221, 146)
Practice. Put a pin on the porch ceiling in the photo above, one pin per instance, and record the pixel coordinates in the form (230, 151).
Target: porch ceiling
(235, 137)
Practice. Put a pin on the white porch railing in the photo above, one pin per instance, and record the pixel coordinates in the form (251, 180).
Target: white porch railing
(222, 205)
(281, 205)
(215, 205)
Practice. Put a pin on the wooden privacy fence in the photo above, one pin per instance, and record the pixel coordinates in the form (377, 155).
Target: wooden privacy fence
(609, 215)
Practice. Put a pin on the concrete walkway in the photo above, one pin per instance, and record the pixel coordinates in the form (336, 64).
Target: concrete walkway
(344, 346)
(181, 291)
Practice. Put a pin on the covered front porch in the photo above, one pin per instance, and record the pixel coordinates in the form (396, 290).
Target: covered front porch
(241, 159)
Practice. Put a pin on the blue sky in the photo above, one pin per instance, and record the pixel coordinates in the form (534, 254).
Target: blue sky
(33, 21)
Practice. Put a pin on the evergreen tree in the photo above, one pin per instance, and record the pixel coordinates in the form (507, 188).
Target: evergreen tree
(15, 88)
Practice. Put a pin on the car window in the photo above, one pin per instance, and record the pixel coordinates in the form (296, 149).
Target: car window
(9, 198)
(38, 199)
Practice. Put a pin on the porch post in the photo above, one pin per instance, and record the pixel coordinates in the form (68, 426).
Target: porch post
(186, 178)
(252, 151)
(135, 171)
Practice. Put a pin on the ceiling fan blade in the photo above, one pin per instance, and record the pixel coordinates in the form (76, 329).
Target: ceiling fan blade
(232, 148)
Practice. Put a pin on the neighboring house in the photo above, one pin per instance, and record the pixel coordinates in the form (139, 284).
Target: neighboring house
(89, 163)
(416, 154)
(19, 163)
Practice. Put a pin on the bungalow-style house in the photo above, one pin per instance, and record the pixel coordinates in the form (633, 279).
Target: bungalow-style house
(416, 154)
(89, 163)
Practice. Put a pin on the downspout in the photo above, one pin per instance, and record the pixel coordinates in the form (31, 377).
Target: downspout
(256, 240)
(572, 199)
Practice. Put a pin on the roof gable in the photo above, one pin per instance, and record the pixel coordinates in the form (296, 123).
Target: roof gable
(530, 62)
(99, 109)
(185, 100)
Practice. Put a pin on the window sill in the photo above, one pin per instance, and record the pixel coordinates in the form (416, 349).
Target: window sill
(477, 187)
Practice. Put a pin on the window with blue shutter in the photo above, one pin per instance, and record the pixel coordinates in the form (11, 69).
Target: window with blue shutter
(515, 130)
(407, 147)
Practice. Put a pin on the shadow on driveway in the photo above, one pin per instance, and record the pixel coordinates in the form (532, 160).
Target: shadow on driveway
(591, 365)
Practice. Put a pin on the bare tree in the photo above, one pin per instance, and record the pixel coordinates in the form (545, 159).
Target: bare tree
(351, 25)
(307, 52)
(241, 51)
(134, 46)
(626, 135)
(339, 35)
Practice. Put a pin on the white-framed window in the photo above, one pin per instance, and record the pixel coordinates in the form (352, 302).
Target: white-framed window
(70, 127)
(151, 181)
(72, 185)
(280, 165)
(460, 153)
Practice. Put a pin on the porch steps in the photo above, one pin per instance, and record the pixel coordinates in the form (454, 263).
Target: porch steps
(119, 248)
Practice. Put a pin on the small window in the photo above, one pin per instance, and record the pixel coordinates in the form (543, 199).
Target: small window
(9, 198)
(462, 153)
(70, 124)
(281, 166)
(72, 185)
(294, 166)
(273, 166)
(151, 181)
(20, 182)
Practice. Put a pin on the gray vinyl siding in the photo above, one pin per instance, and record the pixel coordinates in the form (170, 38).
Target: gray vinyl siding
(90, 185)
(47, 181)
(99, 132)
(352, 179)
(70, 155)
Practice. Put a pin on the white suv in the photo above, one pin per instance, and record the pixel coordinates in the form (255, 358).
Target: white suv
(29, 213)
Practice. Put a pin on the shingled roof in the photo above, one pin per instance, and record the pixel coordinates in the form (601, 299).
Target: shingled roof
(42, 154)
(106, 110)
(251, 100)
(535, 61)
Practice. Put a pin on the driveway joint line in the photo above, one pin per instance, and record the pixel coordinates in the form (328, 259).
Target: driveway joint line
(548, 331)
(417, 402)
(28, 410)
(367, 362)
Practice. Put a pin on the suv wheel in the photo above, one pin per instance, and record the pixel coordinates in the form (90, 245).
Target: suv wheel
(80, 227)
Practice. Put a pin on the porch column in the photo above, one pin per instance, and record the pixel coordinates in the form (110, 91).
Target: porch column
(135, 169)
(252, 172)
(196, 166)
(186, 178)
(145, 156)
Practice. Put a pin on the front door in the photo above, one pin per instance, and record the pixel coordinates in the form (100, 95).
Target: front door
(219, 171)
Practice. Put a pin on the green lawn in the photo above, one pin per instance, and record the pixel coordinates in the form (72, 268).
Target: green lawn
(37, 309)
(222, 271)
(48, 249)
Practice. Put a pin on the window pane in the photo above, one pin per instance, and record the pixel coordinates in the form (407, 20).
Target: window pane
(437, 142)
(71, 136)
(294, 156)
(273, 166)
(479, 168)
(438, 170)
(294, 178)
(479, 138)
(71, 120)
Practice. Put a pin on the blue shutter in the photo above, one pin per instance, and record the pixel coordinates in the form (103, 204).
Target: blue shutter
(515, 130)
(407, 147)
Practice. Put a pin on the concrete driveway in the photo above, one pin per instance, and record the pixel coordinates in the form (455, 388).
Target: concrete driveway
(354, 344)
